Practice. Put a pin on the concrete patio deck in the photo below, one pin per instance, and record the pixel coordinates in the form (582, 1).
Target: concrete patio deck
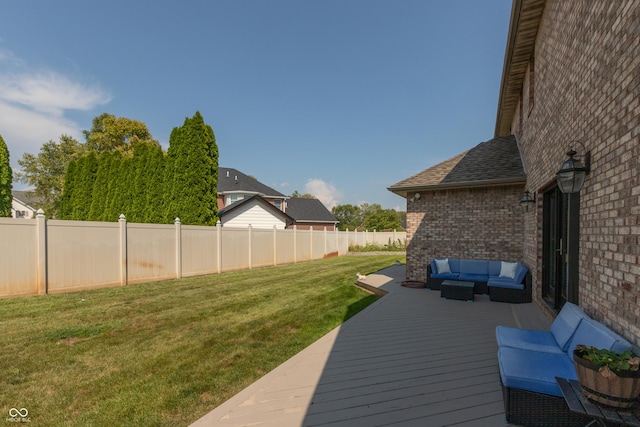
(409, 359)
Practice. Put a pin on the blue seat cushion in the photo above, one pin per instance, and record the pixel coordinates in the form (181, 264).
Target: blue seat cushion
(504, 282)
(471, 277)
(566, 323)
(450, 276)
(534, 370)
(527, 339)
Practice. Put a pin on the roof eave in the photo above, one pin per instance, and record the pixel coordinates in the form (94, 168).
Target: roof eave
(403, 191)
(523, 29)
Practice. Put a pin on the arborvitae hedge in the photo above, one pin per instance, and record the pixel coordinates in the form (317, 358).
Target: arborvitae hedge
(148, 186)
(6, 180)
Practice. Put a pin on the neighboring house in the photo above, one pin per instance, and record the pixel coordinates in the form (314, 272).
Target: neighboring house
(571, 79)
(233, 186)
(21, 206)
(308, 213)
(254, 211)
(244, 201)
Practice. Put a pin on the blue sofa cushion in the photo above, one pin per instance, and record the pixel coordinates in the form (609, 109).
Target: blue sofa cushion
(592, 333)
(521, 272)
(534, 370)
(449, 276)
(566, 323)
(527, 339)
(494, 268)
(504, 282)
(554, 341)
(474, 266)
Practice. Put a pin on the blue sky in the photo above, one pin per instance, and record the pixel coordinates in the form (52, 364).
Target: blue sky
(338, 98)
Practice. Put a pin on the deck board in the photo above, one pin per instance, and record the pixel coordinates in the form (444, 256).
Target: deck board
(410, 359)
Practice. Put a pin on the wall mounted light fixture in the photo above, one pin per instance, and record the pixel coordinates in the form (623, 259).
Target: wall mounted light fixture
(415, 197)
(527, 202)
(572, 173)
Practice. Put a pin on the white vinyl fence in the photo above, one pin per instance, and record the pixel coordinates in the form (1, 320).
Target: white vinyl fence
(42, 256)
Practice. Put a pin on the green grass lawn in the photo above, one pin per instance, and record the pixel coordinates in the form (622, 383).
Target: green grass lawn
(166, 353)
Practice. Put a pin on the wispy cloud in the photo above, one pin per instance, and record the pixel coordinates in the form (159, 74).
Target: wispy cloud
(325, 192)
(34, 104)
(49, 92)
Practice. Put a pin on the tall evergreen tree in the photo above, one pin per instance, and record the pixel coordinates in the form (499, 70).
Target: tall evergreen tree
(193, 169)
(65, 206)
(155, 209)
(113, 207)
(86, 176)
(6, 180)
(97, 211)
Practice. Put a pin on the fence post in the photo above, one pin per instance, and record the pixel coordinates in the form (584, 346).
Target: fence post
(219, 245)
(123, 250)
(275, 246)
(295, 244)
(250, 230)
(178, 248)
(311, 243)
(325, 242)
(41, 242)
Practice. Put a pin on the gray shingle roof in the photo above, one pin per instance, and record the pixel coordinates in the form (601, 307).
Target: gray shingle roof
(309, 210)
(493, 162)
(232, 180)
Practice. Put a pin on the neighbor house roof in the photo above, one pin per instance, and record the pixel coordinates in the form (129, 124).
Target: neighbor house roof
(523, 29)
(309, 210)
(490, 163)
(26, 198)
(233, 181)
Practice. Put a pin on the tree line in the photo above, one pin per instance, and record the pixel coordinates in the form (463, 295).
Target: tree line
(121, 169)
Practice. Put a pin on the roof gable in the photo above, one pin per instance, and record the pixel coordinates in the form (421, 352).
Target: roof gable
(255, 200)
(233, 181)
(490, 163)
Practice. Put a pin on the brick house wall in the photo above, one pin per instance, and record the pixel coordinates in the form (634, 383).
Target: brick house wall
(585, 80)
(475, 223)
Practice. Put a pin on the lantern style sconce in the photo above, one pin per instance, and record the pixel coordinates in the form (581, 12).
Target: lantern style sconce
(572, 173)
(527, 202)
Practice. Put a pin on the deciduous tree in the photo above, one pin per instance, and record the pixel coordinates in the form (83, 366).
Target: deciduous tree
(45, 173)
(110, 133)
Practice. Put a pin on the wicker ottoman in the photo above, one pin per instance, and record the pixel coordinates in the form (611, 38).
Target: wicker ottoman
(455, 289)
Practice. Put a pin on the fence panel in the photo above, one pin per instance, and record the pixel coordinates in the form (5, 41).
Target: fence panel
(18, 257)
(262, 247)
(285, 246)
(317, 244)
(199, 250)
(303, 245)
(151, 252)
(235, 252)
(82, 255)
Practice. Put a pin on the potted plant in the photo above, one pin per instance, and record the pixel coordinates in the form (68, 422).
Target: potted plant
(608, 377)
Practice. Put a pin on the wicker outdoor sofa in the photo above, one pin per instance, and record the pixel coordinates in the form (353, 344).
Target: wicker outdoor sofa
(503, 281)
(530, 361)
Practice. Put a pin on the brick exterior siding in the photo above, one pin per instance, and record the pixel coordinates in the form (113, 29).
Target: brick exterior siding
(586, 77)
(476, 223)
